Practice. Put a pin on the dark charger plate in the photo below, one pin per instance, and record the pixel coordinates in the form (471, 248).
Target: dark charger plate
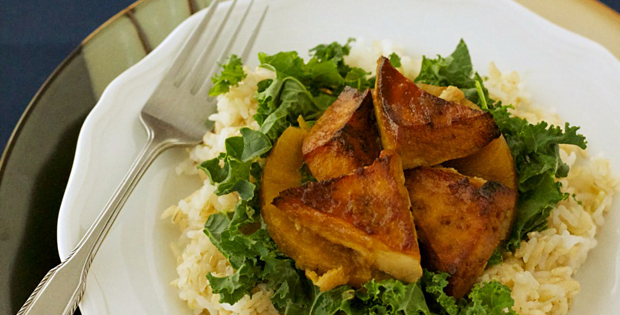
(36, 163)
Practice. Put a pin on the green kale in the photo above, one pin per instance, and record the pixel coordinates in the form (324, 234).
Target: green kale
(255, 144)
(496, 257)
(283, 102)
(232, 170)
(535, 148)
(232, 73)
(284, 64)
(456, 70)
(303, 89)
(358, 78)
(255, 259)
(232, 176)
(334, 53)
(434, 285)
(390, 297)
(334, 301)
(491, 298)
(306, 174)
(395, 60)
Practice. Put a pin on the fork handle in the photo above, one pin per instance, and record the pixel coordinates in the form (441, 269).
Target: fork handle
(62, 288)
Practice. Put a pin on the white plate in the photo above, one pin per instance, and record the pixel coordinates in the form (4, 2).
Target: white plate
(132, 272)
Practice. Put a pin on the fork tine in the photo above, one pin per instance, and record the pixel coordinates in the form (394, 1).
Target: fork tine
(191, 42)
(204, 53)
(198, 76)
(205, 87)
(250, 43)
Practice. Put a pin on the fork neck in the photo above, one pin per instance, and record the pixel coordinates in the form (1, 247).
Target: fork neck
(160, 133)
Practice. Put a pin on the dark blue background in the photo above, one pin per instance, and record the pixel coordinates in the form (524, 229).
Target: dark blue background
(36, 35)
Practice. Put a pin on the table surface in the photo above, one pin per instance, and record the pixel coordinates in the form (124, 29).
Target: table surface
(36, 35)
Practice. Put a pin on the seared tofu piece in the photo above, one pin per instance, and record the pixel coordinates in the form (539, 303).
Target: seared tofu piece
(458, 219)
(425, 129)
(330, 264)
(494, 163)
(345, 138)
(367, 211)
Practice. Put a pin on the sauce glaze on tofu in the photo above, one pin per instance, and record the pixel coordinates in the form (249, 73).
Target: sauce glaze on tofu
(424, 129)
(367, 211)
(345, 138)
(459, 222)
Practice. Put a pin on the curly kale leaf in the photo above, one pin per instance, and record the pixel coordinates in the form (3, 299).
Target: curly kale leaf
(304, 89)
(232, 73)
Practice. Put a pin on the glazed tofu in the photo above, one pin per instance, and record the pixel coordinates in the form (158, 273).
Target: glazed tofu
(345, 138)
(494, 163)
(328, 264)
(458, 220)
(425, 129)
(367, 211)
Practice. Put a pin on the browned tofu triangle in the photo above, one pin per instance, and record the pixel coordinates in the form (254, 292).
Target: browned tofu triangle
(422, 128)
(367, 211)
(493, 162)
(458, 219)
(345, 138)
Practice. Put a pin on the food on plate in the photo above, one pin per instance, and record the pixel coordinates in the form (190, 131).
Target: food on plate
(459, 221)
(344, 138)
(425, 129)
(301, 214)
(367, 211)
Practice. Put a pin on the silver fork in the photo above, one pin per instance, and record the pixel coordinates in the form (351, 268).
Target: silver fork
(174, 116)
